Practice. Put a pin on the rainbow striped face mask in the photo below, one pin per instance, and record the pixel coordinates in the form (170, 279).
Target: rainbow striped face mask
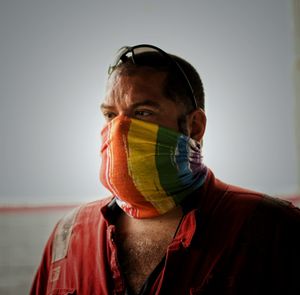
(148, 168)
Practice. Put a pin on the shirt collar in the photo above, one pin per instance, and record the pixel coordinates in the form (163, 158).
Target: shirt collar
(191, 207)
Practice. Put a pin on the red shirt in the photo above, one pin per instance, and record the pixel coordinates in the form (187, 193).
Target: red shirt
(230, 241)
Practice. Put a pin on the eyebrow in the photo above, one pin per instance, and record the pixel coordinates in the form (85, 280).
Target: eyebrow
(146, 102)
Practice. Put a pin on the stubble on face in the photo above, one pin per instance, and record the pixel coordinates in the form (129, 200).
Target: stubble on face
(119, 90)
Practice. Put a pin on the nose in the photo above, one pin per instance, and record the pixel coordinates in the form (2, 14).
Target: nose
(126, 111)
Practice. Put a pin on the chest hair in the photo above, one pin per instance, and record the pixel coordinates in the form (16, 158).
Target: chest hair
(143, 243)
(139, 254)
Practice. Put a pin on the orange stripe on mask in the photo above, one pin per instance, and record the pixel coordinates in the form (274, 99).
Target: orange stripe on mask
(117, 159)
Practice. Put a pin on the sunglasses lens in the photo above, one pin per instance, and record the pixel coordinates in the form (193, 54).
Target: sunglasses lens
(148, 56)
(118, 57)
(140, 50)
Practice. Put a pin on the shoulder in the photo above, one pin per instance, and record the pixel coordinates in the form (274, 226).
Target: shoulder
(230, 200)
(237, 205)
(273, 223)
(277, 212)
(83, 213)
(273, 231)
(266, 222)
(273, 209)
(239, 197)
(238, 193)
(76, 222)
(89, 211)
(224, 195)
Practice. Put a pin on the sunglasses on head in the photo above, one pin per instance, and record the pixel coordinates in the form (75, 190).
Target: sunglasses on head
(149, 55)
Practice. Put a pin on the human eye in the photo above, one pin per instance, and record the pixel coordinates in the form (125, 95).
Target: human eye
(143, 113)
(108, 115)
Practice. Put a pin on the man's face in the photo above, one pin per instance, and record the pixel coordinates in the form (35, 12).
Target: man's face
(140, 96)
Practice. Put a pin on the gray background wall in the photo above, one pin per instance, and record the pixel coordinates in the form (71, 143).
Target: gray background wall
(53, 61)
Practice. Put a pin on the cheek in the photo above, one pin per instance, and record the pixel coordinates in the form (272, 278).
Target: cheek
(169, 122)
(174, 118)
(183, 125)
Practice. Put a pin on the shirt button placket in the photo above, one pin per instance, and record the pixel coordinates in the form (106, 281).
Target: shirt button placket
(114, 264)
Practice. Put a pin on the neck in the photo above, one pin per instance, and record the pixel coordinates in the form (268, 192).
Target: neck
(167, 221)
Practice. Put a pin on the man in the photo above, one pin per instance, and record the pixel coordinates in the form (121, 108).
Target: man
(170, 227)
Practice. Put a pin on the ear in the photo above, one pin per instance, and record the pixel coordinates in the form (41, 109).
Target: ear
(196, 124)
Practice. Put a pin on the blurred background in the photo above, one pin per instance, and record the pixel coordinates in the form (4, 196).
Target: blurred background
(54, 57)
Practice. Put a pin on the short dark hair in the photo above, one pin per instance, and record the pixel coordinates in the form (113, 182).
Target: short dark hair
(175, 86)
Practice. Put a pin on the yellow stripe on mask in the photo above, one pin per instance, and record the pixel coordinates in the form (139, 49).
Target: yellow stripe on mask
(142, 138)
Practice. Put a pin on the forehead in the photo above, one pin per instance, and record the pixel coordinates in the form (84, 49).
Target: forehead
(140, 81)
